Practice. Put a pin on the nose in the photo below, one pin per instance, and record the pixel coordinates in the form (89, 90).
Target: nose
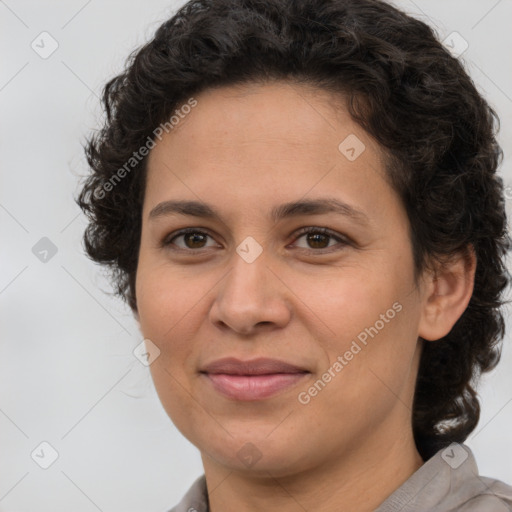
(251, 298)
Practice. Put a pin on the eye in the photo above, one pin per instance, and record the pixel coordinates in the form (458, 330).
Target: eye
(193, 238)
(319, 238)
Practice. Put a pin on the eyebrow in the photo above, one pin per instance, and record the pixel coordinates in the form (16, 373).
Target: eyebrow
(285, 210)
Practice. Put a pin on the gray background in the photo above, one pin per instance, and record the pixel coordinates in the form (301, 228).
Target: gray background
(67, 372)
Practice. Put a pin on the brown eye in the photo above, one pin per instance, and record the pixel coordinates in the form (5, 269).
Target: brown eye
(318, 239)
(192, 239)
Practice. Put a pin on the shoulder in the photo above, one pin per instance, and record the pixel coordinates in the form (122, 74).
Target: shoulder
(450, 482)
(495, 496)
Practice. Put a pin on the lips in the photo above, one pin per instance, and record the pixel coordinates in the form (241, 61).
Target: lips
(261, 366)
(252, 380)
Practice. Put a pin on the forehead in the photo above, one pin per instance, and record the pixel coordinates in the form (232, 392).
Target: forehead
(275, 112)
(263, 140)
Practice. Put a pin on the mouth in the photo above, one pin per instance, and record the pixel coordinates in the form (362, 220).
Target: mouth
(252, 380)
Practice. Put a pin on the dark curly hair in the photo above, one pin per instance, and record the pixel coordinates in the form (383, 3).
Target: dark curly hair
(400, 85)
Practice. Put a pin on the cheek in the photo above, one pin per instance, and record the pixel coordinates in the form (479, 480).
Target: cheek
(370, 373)
(168, 315)
(164, 299)
(372, 320)
(352, 302)
(165, 309)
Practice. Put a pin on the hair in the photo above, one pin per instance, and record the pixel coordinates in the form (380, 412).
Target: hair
(400, 85)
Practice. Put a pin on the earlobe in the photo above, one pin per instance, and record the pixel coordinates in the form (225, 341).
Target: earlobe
(447, 293)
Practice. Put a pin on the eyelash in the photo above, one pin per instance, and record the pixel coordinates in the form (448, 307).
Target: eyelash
(343, 241)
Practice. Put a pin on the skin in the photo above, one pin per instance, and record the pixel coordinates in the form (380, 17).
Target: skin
(244, 150)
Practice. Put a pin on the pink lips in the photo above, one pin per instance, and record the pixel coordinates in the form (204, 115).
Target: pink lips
(252, 380)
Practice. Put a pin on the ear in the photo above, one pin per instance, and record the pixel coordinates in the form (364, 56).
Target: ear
(447, 292)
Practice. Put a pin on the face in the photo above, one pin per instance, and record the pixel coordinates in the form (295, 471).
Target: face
(326, 286)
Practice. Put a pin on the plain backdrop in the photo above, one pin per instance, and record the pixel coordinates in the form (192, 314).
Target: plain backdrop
(67, 373)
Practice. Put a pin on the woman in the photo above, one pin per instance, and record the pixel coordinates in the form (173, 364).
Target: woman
(299, 201)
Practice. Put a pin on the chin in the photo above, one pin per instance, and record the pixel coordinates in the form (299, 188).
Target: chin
(259, 457)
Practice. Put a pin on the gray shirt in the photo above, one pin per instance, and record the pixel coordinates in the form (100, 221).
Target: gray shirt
(447, 482)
